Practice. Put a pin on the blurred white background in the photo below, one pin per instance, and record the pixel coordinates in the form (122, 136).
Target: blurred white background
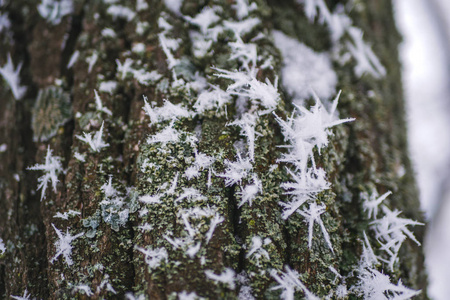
(425, 55)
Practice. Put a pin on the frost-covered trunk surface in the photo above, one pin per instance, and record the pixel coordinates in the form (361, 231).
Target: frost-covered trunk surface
(188, 149)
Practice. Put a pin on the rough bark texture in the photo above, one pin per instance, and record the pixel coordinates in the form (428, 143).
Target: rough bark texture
(369, 153)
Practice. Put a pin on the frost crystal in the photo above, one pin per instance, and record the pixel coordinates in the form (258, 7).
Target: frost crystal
(99, 104)
(236, 171)
(312, 215)
(391, 231)
(204, 19)
(119, 11)
(247, 123)
(153, 258)
(131, 296)
(52, 167)
(53, 11)
(167, 135)
(303, 132)
(12, 78)
(84, 288)
(73, 59)
(214, 99)
(249, 192)
(2, 247)
(202, 161)
(124, 68)
(366, 60)
(371, 203)
(25, 296)
(256, 248)
(242, 27)
(63, 245)
(227, 277)
(375, 285)
(107, 86)
(289, 282)
(243, 9)
(91, 60)
(185, 296)
(216, 220)
(4, 21)
(67, 214)
(168, 111)
(95, 143)
(246, 85)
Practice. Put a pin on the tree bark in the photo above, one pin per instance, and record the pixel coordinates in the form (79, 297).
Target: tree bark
(369, 153)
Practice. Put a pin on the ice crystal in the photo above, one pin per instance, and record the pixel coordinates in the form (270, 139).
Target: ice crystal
(216, 220)
(84, 288)
(91, 60)
(227, 277)
(289, 282)
(374, 285)
(53, 11)
(391, 231)
(236, 171)
(168, 111)
(96, 143)
(366, 60)
(256, 248)
(52, 167)
(63, 245)
(204, 19)
(2, 247)
(246, 85)
(125, 67)
(99, 104)
(371, 203)
(167, 135)
(242, 8)
(154, 258)
(187, 296)
(249, 192)
(12, 77)
(247, 124)
(73, 59)
(213, 99)
(67, 214)
(119, 11)
(242, 27)
(25, 296)
(312, 215)
(202, 161)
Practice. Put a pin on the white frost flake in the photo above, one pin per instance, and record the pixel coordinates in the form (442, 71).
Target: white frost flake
(290, 283)
(155, 257)
(2, 247)
(96, 143)
(227, 277)
(119, 11)
(12, 77)
(53, 11)
(63, 245)
(312, 215)
(25, 296)
(52, 167)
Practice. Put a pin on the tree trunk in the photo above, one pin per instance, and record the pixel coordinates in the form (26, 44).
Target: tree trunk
(133, 197)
